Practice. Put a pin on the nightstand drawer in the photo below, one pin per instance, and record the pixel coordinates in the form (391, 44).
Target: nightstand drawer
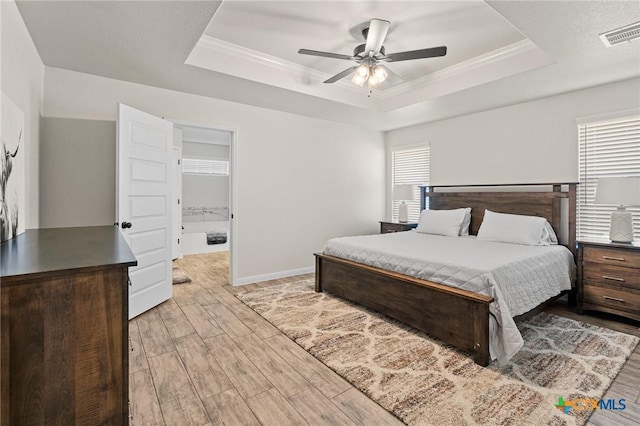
(626, 258)
(388, 227)
(626, 300)
(609, 278)
(393, 228)
(609, 274)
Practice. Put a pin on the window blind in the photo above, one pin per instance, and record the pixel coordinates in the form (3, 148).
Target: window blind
(608, 148)
(409, 166)
(201, 166)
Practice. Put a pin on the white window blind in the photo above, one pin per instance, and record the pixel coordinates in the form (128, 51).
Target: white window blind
(608, 148)
(201, 166)
(410, 166)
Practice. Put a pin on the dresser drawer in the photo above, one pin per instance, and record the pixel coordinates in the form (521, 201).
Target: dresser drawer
(609, 274)
(611, 256)
(624, 299)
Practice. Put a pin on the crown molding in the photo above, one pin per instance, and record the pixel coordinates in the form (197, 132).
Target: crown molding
(221, 56)
(266, 60)
(462, 68)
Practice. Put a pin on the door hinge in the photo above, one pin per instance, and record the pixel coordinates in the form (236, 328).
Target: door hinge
(178, 201)
(178, 161)
(231, 215)
(178, 240)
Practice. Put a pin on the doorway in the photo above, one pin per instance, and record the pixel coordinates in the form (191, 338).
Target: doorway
(206, 190)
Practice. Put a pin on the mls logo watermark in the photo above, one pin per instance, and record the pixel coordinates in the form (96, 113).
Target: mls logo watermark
(590, 404)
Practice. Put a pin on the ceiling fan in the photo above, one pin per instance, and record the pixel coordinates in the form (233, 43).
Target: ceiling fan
(369, 56)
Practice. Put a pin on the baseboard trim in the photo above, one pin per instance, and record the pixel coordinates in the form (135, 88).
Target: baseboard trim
(273, 276)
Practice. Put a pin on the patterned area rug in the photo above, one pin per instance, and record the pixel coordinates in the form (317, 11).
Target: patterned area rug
(179, 277)
(423, 382)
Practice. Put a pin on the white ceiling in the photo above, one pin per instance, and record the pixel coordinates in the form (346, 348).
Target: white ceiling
(482, 46)
(499, 52)
(337, 27)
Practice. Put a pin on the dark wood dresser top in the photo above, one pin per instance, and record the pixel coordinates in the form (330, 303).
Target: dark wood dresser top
(48, 250)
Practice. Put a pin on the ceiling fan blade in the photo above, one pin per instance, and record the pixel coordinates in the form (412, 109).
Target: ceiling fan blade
(341, 75)
(325, 54)
(376, 35)
(417, 54)
(392, 77)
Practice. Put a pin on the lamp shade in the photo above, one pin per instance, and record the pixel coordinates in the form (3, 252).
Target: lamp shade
(403, 192)
(621, 191)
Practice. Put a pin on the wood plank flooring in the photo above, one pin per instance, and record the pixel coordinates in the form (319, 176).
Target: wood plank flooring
(205, 358)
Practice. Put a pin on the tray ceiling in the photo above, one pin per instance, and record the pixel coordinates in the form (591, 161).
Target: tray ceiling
(260, 40)
(499, 52)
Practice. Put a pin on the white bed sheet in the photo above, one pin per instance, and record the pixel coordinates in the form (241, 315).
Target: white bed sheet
(518, 277)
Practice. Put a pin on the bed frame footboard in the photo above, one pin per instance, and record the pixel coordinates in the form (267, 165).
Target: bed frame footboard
(454, 316)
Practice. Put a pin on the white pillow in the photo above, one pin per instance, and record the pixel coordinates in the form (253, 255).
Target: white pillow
(512, 228)
(464, 228)
(441, 222)
(549, 237)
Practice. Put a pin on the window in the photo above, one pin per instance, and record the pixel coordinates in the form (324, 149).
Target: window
(608, 148)
(201, 166)
(409, 166)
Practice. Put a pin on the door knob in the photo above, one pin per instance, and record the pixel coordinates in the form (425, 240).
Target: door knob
(126, 225)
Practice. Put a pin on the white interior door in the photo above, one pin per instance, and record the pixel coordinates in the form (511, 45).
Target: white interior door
(144, 207)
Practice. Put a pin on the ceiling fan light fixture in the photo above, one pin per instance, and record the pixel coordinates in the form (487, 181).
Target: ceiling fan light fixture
(373, 82)
(377, 76)
(363, 71)
(358, 80)
(361, 75)
(379, 73)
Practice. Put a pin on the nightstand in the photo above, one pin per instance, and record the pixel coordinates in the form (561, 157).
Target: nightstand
(609, 278)
(387, 227)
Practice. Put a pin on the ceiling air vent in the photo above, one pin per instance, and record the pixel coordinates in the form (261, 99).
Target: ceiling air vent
(620, 35)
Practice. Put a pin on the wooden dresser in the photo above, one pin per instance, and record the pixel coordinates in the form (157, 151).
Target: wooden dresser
(64, 327)
(609, 278)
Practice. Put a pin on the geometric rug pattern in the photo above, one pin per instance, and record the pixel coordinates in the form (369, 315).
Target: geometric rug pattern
(425, 382)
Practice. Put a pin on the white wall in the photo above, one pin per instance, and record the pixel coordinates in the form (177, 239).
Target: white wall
(300, 181)
(22, 81)
(530, 142)
(77, 173)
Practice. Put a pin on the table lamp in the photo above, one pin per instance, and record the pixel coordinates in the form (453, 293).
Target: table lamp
(403, 192)
(623, 192)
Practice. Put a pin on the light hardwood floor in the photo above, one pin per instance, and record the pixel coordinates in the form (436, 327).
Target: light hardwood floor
(204, 358)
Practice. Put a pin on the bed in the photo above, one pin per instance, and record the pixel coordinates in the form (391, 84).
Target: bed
(457, 316)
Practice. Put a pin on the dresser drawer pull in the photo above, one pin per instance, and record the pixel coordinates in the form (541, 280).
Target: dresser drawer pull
(613, 278)
(613, 298)
(619, 259)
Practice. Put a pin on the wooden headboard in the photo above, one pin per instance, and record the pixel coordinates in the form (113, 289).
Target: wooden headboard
(537, 202)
